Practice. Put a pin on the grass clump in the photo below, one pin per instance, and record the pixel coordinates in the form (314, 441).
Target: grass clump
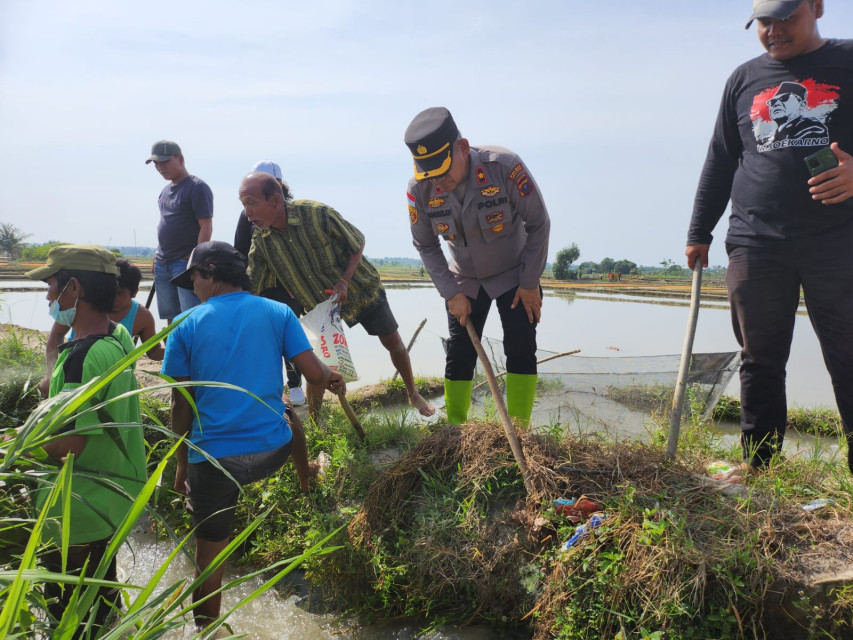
(21, 369)
(818, 421)
(447, 534)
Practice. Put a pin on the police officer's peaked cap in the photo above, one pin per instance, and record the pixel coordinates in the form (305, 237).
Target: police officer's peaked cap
(790, 87)
(430, 138)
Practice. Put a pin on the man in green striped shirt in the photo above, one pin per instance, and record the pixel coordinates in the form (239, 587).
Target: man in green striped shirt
(309, 249)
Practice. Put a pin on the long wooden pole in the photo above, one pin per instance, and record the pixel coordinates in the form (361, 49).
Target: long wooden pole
(351, 415)
(514, 444)
(411, 344)
(684, 367)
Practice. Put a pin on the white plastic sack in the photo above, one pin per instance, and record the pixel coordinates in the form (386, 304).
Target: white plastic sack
(325, 331)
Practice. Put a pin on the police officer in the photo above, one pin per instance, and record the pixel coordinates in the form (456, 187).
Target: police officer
(485, 205)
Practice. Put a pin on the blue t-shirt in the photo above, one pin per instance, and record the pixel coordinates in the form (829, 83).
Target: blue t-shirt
(181, 207)
(240, 339)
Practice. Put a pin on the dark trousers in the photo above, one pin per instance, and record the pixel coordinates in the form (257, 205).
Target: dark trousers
(280, 294)
(764, 290)
(77, 556)
(519, 337)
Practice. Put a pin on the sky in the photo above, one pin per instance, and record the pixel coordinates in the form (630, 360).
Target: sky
(609, 103)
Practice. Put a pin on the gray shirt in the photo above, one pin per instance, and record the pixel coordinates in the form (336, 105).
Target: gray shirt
(181, 207)
(496, 230)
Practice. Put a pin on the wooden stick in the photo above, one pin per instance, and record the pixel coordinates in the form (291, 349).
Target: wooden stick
(411, 343)
(554, 357)
(684, 367)
(351, 415)
(514, 444)
(150, 296)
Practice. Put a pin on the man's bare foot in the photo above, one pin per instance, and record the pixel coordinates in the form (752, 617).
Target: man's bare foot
(423, 407)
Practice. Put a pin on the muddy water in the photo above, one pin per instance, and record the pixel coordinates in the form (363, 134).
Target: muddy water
(271, 616)
(597, 325)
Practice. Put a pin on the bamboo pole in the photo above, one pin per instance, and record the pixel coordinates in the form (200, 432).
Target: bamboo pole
(684, 367)
(411, 344)
(514, 444)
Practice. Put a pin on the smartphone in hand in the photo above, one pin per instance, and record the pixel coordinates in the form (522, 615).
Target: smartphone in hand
(820, 161)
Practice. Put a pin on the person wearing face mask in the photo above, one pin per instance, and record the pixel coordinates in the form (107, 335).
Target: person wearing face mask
(484, 204)
(137, 319)
(82, 287)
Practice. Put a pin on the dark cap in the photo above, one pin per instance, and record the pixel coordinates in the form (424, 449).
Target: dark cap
(775, 9)
(211, 253)
(789, 87)
(79, 257)
(430, 138)
(163, 150)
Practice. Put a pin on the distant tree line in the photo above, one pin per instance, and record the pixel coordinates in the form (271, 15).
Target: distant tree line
(562, 267)
(396, 262)
(135, 252)
(608, 265)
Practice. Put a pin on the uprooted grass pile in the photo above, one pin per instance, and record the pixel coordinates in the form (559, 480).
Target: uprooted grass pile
(447, 534)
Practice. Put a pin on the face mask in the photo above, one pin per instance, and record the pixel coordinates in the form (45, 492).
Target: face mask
(67, 316)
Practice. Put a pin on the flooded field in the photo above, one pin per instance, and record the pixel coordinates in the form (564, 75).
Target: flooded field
(599, 325)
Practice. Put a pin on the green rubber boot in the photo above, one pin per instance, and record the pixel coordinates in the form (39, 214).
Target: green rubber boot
(457, 400)
(520, 392)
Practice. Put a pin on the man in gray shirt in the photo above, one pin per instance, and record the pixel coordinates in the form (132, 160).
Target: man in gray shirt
(186, 220)
(485, 205)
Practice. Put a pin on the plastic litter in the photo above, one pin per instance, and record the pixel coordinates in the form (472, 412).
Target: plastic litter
(583, 530)
(323, 462)
(720, 466)
(819, 503)
(576, 510)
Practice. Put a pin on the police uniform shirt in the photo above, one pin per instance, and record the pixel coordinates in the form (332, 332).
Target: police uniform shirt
(496, 234)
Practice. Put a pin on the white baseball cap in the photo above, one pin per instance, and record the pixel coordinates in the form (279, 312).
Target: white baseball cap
(268, 166)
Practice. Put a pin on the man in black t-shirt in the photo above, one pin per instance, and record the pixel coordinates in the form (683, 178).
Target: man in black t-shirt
(787, 229)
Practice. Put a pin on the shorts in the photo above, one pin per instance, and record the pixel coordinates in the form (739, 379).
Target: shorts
(377, 319)
(172, 300)
(213, 495)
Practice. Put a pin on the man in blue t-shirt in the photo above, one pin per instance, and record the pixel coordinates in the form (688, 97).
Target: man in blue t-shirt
(236, 338)
(791, 226)
(186, 220)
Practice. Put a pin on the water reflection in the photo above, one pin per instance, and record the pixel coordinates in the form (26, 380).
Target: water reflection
(599, 326)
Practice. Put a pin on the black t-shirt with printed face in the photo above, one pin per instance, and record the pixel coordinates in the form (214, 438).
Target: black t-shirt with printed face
(774, 114)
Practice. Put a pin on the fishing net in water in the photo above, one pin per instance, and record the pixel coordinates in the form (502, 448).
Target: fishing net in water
(618, 393)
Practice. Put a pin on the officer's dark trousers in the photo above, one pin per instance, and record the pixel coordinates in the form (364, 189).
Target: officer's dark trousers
(764, 290)
(519, 337)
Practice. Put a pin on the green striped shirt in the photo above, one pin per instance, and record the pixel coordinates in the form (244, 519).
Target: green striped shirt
(312, 257)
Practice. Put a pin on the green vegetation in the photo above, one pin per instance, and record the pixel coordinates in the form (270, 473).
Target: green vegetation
(437, 526)
(11, 240)
(39, 252)
(21, 368)
(815, 421)
(149, 610)
(565, 257)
